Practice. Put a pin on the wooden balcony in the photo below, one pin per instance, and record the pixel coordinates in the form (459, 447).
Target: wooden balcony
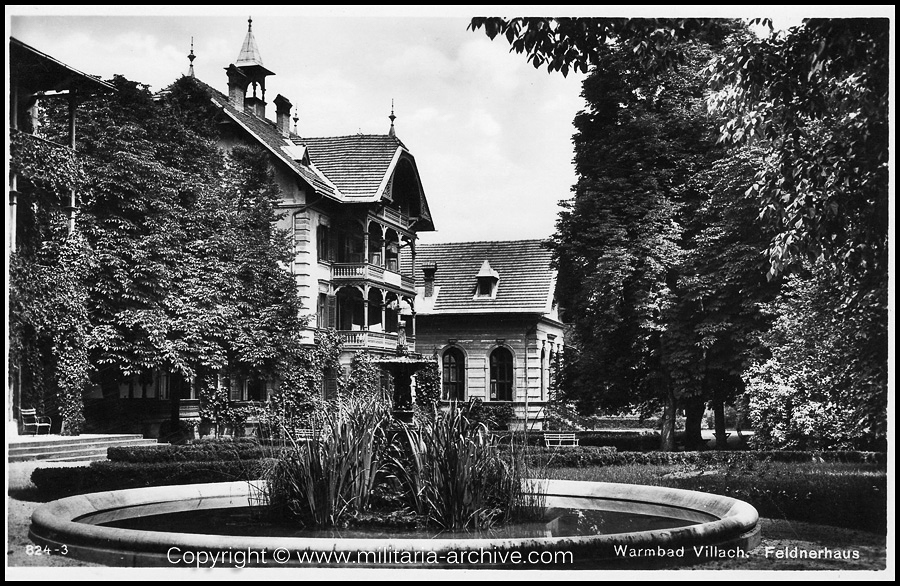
(366, 340)
(357, 271)
(395, 217)
(344, 272)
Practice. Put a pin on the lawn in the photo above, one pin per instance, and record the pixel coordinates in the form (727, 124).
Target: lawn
(848, 495)
(806, 508)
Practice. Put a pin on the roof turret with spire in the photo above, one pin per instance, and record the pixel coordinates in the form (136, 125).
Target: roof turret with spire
(250, 64)
(391, 132)
(191, 58)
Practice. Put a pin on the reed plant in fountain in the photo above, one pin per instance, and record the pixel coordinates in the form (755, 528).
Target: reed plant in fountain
(327, 473)
(453, 472)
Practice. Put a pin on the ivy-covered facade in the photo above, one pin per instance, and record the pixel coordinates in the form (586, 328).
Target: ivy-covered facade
(47, 322)
(170, 302)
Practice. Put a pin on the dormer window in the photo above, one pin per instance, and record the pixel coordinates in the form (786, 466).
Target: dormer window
(487, 279)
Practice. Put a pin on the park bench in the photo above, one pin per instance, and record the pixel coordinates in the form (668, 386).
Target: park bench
(560, 439)
(305, 435)
(31, 419)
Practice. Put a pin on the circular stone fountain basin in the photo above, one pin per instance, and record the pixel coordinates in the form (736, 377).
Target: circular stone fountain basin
(722, 527)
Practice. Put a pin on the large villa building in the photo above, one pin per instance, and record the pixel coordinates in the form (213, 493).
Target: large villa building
(488, 312)
(354, 205)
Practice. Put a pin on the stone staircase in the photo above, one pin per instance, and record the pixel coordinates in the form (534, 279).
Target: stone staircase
(70, 448)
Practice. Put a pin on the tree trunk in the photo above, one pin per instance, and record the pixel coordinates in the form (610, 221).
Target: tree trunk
(693, 424)
(176, 392)
(719, 411)
(667, 431)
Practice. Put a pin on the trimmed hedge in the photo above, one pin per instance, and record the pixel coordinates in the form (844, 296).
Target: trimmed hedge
(622, 441)
(55, 483)
(842, 494)
(196, 452)
(626, 441)
(584, 456)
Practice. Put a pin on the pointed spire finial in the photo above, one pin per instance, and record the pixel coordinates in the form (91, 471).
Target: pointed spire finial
(249, 23)
(392, 117)
(191, 58)
(296, 118)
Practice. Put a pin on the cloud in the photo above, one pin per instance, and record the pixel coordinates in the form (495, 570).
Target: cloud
(419, 61)
(481, 122)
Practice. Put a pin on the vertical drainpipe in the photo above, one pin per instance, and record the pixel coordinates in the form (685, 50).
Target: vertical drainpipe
(72, 100)
(13, 179)
(527, 331)
(525, 424)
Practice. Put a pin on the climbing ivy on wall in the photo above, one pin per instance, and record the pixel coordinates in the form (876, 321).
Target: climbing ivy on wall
(48, 321)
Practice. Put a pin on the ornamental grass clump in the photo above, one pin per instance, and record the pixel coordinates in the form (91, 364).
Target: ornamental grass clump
(452, 473)
(326, 476)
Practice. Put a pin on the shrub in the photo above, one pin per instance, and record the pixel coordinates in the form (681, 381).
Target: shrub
(839, 494)
(177, 432)
(453, 472)
(204, 451)
(496, 416)
(622, 441)
(321, 481)
(54, 483)
(585, 456)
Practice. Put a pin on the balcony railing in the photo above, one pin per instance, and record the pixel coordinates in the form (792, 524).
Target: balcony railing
(371, 272)
(357, 271)
(373, 340)
(395, 216)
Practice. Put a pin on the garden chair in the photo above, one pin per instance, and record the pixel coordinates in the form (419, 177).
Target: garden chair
(31, 419)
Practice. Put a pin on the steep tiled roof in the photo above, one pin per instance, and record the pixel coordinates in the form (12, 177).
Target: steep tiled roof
(266, 133)
(526, 280)
(357, 164)
(346, 168)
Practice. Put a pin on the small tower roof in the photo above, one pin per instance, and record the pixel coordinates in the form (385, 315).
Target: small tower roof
(249, 57)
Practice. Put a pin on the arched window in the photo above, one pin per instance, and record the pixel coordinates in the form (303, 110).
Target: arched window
(501, 375)
(454, 379)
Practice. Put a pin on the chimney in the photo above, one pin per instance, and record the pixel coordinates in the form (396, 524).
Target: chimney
(429, 279)
(237, 87)
(283, 115)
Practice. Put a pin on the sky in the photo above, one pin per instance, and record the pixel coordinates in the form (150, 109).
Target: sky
(492, 136)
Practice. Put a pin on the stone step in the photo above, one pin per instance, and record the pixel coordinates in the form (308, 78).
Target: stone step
(61, 452)
(63, 446)
(25, 441)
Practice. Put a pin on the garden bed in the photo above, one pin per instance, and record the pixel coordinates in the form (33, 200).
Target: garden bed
(850, 495)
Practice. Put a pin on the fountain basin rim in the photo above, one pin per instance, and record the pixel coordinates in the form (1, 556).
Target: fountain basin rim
(56, 523)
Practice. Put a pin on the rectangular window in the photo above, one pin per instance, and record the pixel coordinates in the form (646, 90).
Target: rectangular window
(323, 243)
(322, 311)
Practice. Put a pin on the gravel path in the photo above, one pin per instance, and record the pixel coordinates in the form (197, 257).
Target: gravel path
(785, 545)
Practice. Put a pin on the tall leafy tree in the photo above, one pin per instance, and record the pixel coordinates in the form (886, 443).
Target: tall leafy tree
(48, 313)
(183, 267)
(819, 95)
(618, 242)
(722, 288)
(660, 261)
(815, 100)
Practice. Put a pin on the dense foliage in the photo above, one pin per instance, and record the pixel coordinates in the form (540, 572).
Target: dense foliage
(55, 483)
(806, 110)
(175, 265)
(356, 464)
(856, 491)
(659, 259)
(818, 96)
(48, 295)
(451, 471)
(824, 385)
